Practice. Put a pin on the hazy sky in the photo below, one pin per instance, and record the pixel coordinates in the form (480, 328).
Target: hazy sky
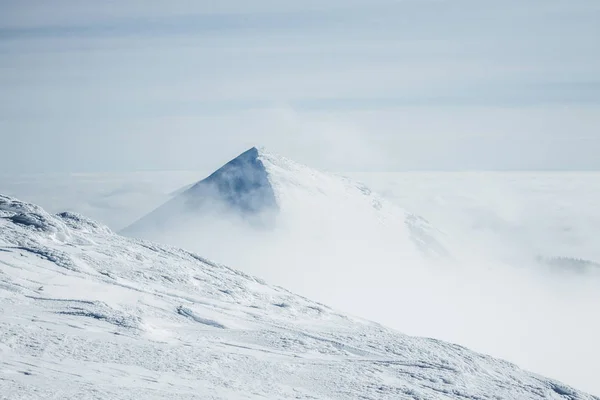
(339, 84)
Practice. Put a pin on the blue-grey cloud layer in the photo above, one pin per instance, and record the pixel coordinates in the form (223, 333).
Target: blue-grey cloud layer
(116, 82)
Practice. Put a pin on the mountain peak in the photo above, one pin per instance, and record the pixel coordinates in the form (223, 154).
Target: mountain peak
(242, 183)
(258, 185)
(252, 153)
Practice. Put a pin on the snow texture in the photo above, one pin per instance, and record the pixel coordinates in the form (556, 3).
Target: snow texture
(88, 314)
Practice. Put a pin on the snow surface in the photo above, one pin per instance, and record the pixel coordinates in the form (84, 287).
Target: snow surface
(86, 313)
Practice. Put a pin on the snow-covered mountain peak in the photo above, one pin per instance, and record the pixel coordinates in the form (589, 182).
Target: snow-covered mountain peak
(260, 185)
(253, 182)
(242, 184)
(98, 315)
(260, 209)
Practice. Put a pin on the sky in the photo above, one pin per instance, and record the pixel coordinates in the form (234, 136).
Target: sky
(353, 85)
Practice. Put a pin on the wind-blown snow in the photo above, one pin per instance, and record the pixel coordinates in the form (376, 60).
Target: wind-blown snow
(86, 313)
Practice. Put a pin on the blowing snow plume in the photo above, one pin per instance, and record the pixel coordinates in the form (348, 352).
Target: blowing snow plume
(334, 240)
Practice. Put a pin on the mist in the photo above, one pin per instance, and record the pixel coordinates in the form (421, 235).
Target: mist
(542, 320)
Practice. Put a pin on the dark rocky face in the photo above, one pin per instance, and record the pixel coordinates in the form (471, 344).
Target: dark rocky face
(242, 184)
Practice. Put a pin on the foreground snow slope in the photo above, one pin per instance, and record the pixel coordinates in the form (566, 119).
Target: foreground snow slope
(86, 313)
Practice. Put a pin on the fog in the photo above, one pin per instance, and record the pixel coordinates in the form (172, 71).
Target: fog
(544, 320)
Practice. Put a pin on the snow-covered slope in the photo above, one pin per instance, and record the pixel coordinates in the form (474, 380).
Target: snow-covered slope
(86, 313)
